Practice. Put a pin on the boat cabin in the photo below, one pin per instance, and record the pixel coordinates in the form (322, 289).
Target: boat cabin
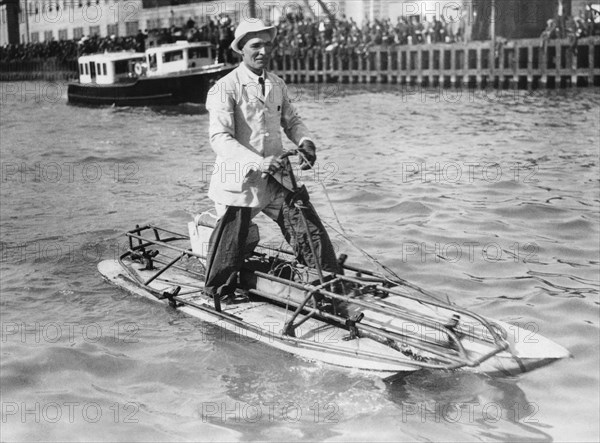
(108, 68)
(178, 57)
(115, 67)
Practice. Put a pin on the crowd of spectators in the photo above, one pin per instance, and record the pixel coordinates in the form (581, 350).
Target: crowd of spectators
(297, 34)
(585, 24)
(301, 35)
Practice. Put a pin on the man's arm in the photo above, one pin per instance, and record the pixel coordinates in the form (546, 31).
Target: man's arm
(297, 132)
(292, 124)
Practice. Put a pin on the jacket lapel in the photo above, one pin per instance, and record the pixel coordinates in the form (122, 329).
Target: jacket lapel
(250, 87)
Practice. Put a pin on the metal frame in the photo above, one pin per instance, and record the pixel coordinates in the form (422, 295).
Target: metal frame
(448, 355)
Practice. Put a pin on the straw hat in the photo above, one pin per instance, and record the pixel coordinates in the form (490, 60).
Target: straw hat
(247, 27)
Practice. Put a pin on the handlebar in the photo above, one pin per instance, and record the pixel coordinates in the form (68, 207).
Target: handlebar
(282, 157)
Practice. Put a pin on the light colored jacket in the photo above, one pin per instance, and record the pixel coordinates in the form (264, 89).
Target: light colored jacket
(245, 127)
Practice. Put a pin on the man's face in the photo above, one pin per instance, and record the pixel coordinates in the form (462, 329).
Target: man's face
(257, 51)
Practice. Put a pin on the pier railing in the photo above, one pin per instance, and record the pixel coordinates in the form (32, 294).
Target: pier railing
(51, 69)
(528, 63)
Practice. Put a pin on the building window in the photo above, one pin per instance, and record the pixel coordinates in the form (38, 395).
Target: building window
(35, 37)
(131, 28)
(94, 30)
(77, 33)
(104, 68)
(48, 37)
(63, 34)
(112, 30)
(153, 23)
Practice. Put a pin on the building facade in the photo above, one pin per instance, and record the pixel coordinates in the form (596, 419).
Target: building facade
(9, 22)
(43, 20)
(516, 19)
(383, 9)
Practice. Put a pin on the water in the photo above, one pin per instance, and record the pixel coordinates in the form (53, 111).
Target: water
(490, 201)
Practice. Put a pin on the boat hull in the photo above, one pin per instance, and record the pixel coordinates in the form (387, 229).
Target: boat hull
(190, 87)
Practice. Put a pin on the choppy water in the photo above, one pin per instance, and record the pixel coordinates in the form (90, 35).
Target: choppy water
(490, 201)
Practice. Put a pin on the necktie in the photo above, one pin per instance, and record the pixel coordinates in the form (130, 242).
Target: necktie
(261, 82)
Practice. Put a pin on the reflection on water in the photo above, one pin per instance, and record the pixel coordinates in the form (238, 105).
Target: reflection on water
(467, 400)
(491, 201)
(166, 110)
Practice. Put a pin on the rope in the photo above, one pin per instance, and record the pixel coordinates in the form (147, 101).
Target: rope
(396, 278)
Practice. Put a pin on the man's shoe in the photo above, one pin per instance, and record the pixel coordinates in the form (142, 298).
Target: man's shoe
(235, 298)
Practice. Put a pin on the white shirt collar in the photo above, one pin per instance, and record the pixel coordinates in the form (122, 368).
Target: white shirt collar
(252, 75)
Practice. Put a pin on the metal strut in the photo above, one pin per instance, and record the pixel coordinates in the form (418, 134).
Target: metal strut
(299, 204)
(289, 327)
(448, 355)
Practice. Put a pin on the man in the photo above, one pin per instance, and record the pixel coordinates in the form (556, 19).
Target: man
(248, 108)
(225, 34)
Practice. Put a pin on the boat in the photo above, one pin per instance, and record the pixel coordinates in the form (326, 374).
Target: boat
(181, 72)
(361, 320)
(358, 318)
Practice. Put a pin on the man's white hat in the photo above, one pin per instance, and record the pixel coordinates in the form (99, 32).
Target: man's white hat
(247, 27)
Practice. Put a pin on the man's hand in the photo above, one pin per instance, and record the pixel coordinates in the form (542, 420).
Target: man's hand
(308, 154)
(271, 165)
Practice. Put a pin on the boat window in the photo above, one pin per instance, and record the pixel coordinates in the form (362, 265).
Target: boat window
(198, 53)
(152, 62)
(172, 56)
(87, 72)
(81, 69)
(98, 68)
(104, 68)
(121, 67)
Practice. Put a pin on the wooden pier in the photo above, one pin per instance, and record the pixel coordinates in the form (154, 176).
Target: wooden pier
(49, 69)
(526, 64)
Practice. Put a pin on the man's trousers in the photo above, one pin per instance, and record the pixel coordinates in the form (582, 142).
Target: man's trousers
(227, 242)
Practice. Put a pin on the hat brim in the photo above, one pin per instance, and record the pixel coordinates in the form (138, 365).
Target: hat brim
(235, 43)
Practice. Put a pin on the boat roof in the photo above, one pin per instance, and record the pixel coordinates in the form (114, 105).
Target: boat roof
(180, 44)
(112, 56)
(126, 55)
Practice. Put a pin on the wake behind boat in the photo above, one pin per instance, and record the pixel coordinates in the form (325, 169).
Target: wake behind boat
(361, 320)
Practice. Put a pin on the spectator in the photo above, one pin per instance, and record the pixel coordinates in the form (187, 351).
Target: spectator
(140, 41)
